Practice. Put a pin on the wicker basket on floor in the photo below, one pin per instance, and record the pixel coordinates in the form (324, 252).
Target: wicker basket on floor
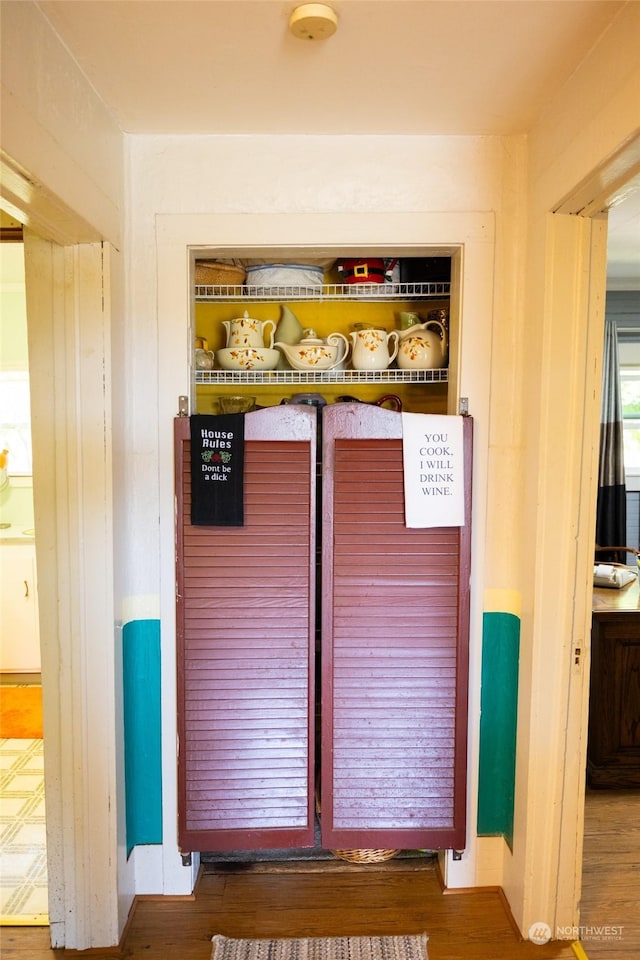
(216, 273)
(358, 856)
(365, 856)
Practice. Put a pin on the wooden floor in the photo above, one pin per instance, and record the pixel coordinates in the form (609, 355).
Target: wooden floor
(300, 900)
(611, 874)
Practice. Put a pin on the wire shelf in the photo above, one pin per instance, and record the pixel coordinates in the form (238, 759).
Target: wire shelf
(314, 376)
(332, 291)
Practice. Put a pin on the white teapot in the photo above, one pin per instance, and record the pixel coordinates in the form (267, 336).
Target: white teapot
(371, 350)
(314, 353)
(248, 332)
(422, 347)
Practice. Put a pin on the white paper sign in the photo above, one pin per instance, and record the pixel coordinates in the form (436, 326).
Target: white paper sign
(433, 455)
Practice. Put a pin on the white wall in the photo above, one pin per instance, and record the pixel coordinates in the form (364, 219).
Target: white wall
(62, 169)
(55, 127)
(584, 146)
(307, 191)
(256, 176)
(594, 118)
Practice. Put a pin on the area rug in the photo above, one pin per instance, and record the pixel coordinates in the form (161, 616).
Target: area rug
(409, 947)
(21, 712)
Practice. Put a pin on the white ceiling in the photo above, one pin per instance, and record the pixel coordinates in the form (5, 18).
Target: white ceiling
(450, 67)
(393, 66)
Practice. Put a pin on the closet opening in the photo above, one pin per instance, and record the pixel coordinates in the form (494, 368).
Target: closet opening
(312, 638)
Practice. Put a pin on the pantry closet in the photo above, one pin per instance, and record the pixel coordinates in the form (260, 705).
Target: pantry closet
(378, 744)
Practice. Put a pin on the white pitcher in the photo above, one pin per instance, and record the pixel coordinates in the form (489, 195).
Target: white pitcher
(371, 350)
(423, 346)
(246, 331)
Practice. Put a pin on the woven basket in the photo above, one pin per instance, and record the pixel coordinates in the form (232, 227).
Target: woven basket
(214, 272)
(358, 856)
(365, 856)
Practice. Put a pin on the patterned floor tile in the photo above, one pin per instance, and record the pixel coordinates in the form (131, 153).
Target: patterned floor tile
(23, 852)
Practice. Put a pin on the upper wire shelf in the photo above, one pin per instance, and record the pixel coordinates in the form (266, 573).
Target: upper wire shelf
(331, 291)
(315, 376)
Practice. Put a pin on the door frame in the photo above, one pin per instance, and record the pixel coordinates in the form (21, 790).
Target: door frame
(68, 324)
(575, 260)
(470, 235)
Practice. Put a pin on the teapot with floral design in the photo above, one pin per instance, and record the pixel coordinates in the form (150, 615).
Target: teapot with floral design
(248, 332)
(314, 353)
(423, 346)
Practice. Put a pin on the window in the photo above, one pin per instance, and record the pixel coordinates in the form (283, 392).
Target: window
(15, 421)
(630, 391)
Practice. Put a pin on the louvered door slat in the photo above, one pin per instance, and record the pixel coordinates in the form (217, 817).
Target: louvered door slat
(245, 631)
(395, 639)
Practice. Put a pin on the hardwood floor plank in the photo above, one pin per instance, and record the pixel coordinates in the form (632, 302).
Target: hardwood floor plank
(611, 874)
(318, 903)
(324, 904)
(334, 898)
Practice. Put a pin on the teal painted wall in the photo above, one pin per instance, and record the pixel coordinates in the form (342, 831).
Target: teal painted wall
(498, 724)
(142, 731)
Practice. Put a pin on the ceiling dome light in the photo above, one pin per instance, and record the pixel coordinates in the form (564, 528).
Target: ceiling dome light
(313, 21)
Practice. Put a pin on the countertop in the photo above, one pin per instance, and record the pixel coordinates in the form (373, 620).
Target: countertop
(15, 533)
(606, 600)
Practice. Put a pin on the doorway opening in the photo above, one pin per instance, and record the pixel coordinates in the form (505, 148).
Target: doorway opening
(23, 851)
(611, 810)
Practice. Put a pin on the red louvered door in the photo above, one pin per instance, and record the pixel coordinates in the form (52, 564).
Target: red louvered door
(395, 625)
(245, 646)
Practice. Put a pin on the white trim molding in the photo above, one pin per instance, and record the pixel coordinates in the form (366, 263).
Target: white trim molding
(68, 316)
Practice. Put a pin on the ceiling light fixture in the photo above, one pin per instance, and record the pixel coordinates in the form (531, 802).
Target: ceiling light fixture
(313, 21)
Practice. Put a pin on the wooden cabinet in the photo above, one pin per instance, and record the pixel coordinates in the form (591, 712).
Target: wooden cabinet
(390, 708)
(613, 758)
(19, 628)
